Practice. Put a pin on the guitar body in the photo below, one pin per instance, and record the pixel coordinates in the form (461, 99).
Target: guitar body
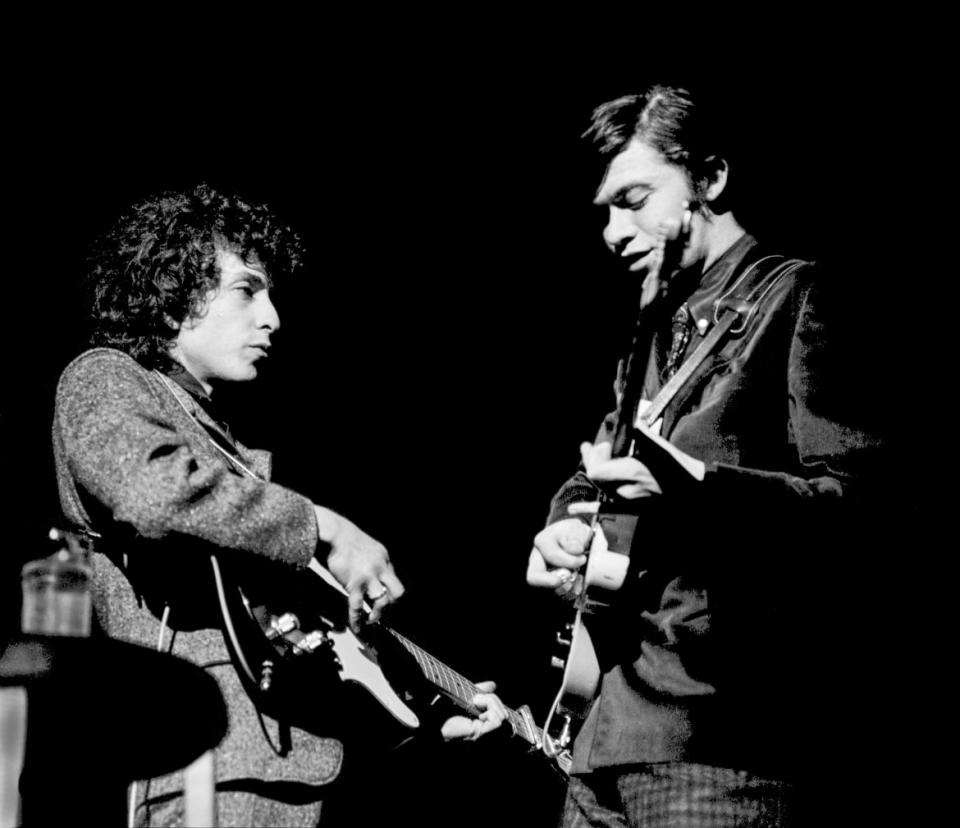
(606, 571)
(638, 424)
(359, 663)
(308, 672)
(302, 664)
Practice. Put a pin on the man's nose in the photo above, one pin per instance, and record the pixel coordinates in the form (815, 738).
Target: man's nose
(620, 229)
(267, 316)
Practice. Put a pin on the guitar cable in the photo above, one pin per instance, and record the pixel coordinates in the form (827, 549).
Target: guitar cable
(238, 651)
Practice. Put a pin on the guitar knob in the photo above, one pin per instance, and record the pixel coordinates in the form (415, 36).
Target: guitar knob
(557, 662)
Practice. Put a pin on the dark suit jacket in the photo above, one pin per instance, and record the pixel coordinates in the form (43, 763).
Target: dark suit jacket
(721, 653)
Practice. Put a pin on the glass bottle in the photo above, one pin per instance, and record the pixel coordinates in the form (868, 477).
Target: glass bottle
(56, 590)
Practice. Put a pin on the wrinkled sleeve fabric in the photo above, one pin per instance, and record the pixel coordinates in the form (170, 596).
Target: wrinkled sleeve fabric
(148, 466)
(828, 455)
(821, 452)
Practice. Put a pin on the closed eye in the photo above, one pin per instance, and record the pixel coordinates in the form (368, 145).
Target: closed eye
(631, 204)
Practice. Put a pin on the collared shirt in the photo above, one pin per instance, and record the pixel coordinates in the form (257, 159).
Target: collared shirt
(189, 383)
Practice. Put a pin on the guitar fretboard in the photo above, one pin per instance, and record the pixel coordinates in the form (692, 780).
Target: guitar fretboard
(461, 688)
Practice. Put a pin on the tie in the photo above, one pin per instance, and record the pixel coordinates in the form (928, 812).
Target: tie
(680, 336)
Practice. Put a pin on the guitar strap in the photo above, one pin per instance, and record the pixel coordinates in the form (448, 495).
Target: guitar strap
(216, 440)
(733, 312)
(740, 302)
(284, 734)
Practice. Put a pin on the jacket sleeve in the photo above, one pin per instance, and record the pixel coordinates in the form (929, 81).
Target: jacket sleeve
(579, 488)
(150, 471)
(830, 450)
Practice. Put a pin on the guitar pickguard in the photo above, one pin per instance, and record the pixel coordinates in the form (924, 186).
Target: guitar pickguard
(359, 663)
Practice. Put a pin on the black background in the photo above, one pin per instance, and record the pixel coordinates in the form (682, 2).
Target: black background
(455, 335)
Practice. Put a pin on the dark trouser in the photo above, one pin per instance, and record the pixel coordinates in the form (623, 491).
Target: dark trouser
(676, 795)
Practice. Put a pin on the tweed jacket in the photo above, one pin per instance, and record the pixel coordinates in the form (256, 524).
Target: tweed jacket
(136, 465)
(706, 664)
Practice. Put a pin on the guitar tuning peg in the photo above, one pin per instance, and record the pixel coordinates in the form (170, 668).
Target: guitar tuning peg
(313, 640)
(288, 622)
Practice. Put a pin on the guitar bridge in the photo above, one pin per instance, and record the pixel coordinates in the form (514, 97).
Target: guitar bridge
(561, 742)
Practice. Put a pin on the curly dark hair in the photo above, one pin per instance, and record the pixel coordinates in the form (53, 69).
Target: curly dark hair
(155, 268)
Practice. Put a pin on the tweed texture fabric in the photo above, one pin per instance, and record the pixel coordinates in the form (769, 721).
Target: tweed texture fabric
(138, 469)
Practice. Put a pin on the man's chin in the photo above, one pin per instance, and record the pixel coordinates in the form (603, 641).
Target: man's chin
(236, 377)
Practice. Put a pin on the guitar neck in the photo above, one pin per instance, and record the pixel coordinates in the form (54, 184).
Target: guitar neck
(461, 689)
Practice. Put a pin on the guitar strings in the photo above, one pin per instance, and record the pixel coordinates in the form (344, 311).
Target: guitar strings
(458, 684)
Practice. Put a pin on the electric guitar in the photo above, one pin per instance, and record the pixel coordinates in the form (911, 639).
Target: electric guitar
(607, 566)
(299, 663)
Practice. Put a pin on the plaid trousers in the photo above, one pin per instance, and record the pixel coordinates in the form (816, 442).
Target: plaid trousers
(677, 795)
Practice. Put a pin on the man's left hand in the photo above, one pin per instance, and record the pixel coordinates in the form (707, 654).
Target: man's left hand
(492, 714)
(631, 477)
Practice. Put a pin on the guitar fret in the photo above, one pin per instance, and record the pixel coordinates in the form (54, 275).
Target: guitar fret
(438, 676)
(454, 684)
(438, 672)
(468, 688)
(431, 668)
(434, 670)
(422, 662)
(426, 664)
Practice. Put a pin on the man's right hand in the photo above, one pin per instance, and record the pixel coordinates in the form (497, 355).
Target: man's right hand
(557, 550)
(360, 563)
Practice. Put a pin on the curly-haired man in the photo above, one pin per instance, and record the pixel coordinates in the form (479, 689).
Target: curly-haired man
(181, 291)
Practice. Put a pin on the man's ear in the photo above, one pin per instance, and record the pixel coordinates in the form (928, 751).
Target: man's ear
(716, 178)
